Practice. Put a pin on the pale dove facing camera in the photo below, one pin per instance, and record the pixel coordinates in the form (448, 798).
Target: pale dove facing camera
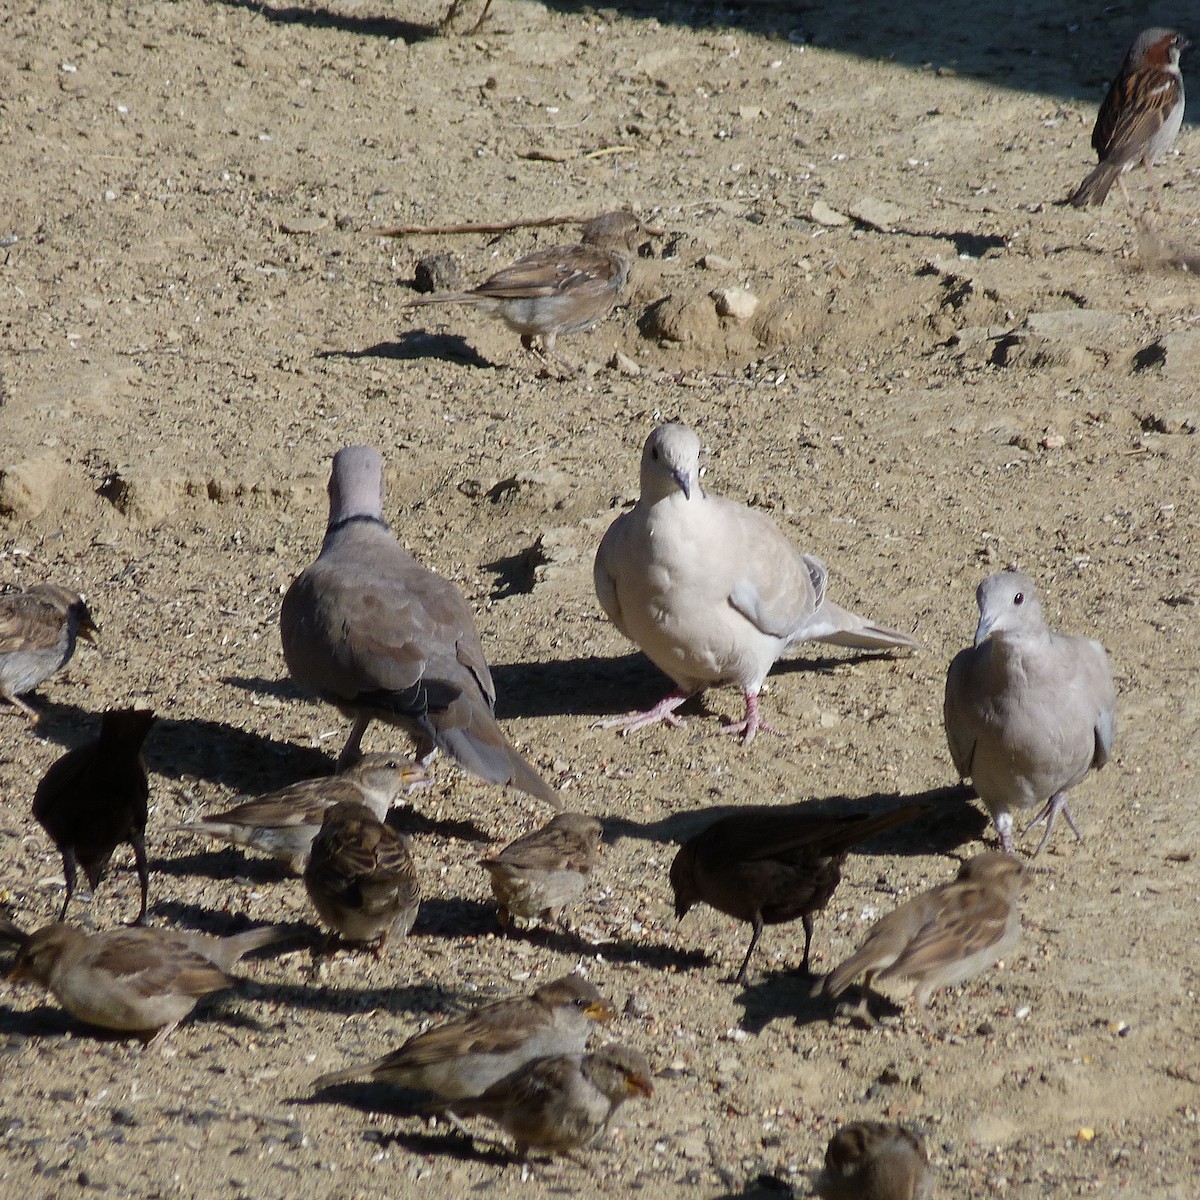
(1029, 712)
(711, 590)
(372, 632)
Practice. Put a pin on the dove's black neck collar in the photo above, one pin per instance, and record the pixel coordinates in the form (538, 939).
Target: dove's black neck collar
(353, 519)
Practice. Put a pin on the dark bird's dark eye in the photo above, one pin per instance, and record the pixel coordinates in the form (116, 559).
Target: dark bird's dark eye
(654, 453)
(1019, 598)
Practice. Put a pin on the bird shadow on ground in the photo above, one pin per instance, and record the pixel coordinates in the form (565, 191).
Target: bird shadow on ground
(409, 820)
(950, 823)
(614, 686)
(230, 865)
(796, 995)
(178, 749)
(415, 344)
(320, 17)
(445, 1145)
(195, 918)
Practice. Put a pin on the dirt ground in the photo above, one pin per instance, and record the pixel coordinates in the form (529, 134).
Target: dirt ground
(960, 377)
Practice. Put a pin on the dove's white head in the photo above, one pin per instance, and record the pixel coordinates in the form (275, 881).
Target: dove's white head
(356, 485)
(1008, 603)
(671, 463)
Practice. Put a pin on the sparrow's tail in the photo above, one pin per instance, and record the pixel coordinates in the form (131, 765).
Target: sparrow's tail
(1095, 188)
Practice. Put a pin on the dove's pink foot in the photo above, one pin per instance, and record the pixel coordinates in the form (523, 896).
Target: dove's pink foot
(752, 724)
(663, 712)
(1055, 805)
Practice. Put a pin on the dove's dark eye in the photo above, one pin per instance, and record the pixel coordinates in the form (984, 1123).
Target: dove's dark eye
(654, 453)
(1019, 598)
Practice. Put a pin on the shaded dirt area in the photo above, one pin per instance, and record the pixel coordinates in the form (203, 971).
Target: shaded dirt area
(962, 377)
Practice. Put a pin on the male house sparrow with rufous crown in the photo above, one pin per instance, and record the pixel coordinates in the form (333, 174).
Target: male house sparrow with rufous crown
(1140, 116)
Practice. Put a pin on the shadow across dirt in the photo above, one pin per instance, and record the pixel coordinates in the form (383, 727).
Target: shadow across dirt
(950, 823)
(415, 344)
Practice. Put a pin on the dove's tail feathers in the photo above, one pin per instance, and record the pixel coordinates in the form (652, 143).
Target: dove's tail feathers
(832, 623)
(1095, 188)
(482, 749)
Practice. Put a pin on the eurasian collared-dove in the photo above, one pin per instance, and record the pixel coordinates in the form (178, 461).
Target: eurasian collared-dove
(371, 631)
(559, 289)
(1028, 711)
(711, 590)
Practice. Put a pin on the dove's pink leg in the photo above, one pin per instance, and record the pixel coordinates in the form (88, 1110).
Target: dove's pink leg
(753, 722)
(1055, 805)
(663, 711)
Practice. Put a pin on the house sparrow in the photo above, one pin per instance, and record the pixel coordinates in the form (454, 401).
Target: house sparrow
(38, 631)
(539, 874)
(133, 980)
(284, 823)
(562, 1103)
(768, 866)
(1028, 712)
(464, 1056)
(1140, 116)
(559, 289)
(372, 632)
(712, 590)
(872, 1160)
(943, 937)
(361, 877)
(95, 798)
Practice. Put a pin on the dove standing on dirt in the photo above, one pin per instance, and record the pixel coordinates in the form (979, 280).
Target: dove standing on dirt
(38, 631)
(134, 980)
(561, 1104)
(539, 874)
(284, 823)
(371, 631)
(95, 798)
(1140, 116)
(1029, 712)
(875, 1160)
(768, 867)
(711, 590)
(944, 936)
(361, 877)
(464, 1056)
(560, 289)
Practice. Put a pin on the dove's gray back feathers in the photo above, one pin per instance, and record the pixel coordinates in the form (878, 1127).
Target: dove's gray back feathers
(370, 630)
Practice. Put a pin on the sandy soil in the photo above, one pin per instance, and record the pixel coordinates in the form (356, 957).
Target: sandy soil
(965, 377)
